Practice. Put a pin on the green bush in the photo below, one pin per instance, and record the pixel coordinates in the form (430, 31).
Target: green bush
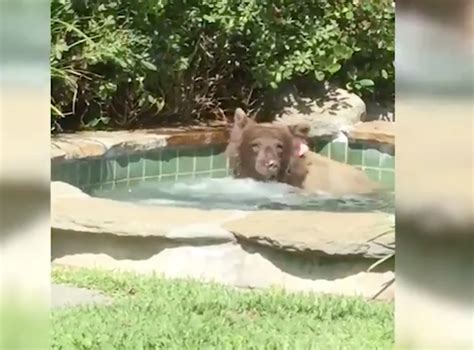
(127, 63)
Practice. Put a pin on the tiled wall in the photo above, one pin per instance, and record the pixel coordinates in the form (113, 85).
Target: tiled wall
(375, 159)
(157, 165)
(206, 161)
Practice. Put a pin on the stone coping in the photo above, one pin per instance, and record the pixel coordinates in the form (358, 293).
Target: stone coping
(104, 143)
(366, 235)
(374, 131)
(110, 143)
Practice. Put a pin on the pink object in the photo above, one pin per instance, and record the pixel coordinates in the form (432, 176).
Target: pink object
(302, 149)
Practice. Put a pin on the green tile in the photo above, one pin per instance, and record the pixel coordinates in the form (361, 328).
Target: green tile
(90, 189)
(56, 176)
(107, 170)
(153, 154)
(96, 187)
(338, 151)
(169, 164)
(84, 172)
(152, 166)
(121, 184)
(202, 175)
(387, 178)
(219, 160)
(325, 151)
(57, 173)
(203, 158)
(95, 171)
(371, 158)
(388, 161)
(71, 173)
(357, 145)
(354, 156)
(387, 148)
(322, 147)
(107, 186)
(136, 165)
(219, 173)
(218, 148)
(372, 174)
(121, 168)
(168, 178)
(186, 161)
(65, 175)
(154, 179)
(63, 171)
(184, 176)
(135, 182)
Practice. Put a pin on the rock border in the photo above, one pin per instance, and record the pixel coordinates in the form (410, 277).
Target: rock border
(363, 235)
(325, 256)
(374, 131)
(112, 143)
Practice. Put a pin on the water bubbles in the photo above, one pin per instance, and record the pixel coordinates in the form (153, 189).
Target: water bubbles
(242, 194)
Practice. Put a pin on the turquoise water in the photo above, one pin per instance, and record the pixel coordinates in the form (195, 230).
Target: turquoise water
(242, 194)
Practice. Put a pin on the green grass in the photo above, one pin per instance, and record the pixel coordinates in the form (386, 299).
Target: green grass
(153, 313)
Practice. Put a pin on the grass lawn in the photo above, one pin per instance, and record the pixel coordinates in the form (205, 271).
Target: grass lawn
(152, 313)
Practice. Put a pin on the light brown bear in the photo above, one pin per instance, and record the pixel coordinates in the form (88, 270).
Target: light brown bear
(274, 152)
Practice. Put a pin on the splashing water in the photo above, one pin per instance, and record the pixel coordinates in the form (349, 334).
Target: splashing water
(242, 194)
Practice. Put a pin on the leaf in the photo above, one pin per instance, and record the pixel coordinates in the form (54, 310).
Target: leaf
(278, 77)
(209, 19)
(333, 68)
(57, 111)
(93, 123)
(349, 15)
(342, 51)
(319, 75)
(149, 66)
(366, 82)
(384, 74)
(151, 99)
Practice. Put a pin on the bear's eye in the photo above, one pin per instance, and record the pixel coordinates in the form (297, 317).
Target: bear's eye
(304, 130)
(255, 146)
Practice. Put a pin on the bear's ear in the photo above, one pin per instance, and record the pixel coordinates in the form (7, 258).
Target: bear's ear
(300, 129)
(235, 137)
(240, 118)
(241, 121)
(300, 133)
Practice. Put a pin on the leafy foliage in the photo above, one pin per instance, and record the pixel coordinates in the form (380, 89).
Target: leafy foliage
(153, 313)
(122, 63)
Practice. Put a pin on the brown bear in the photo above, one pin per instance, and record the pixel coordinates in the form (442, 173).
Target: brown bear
(274, 152)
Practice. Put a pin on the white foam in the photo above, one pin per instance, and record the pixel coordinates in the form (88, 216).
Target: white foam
(228, 193)
(245, 189)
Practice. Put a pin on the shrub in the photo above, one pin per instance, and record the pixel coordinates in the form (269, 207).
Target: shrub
(127, 63)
